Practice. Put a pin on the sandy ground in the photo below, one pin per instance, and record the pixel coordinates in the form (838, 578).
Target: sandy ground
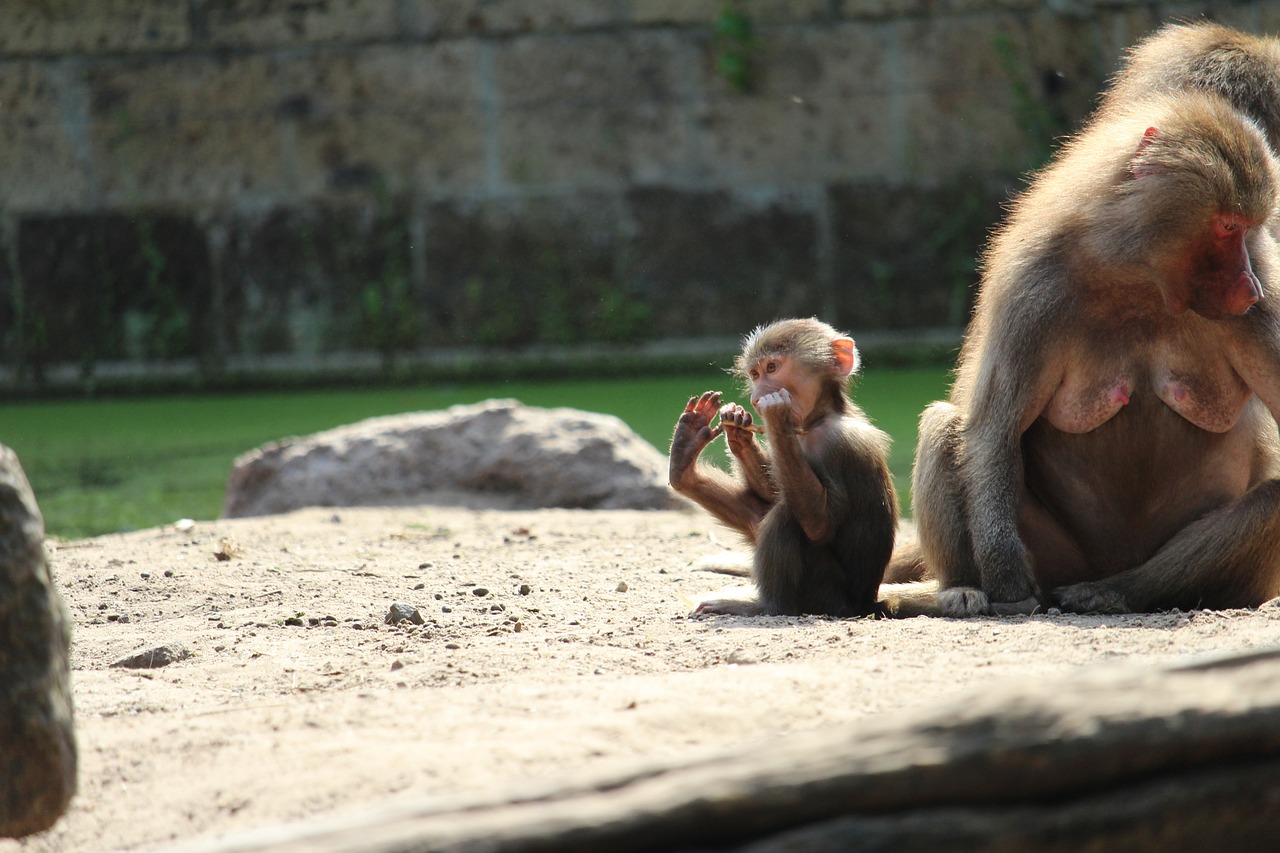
(553, 643)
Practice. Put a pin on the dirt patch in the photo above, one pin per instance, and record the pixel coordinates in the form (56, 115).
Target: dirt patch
(552, 642)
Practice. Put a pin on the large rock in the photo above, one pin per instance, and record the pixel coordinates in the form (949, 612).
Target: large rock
(37, 736)
(496, 453)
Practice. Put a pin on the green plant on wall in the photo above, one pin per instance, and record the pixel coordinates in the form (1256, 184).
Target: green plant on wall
(389, 315)
(547, 301)
(491, 312)
(736, 47)
(360, 262)
(554, 287)
(619, 317)
(577, 306)
(166, 331)
(388, 318)
(949, 240)
(32, 337)
(91, 325)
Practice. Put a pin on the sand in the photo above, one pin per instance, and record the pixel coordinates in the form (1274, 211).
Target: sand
(553, 643)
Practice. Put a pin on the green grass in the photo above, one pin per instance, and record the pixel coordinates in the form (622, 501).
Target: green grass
(101, 466)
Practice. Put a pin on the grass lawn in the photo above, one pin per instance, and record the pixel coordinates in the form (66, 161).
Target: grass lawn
(101, 466)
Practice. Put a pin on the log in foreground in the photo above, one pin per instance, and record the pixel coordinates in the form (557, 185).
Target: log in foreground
(1114, 758)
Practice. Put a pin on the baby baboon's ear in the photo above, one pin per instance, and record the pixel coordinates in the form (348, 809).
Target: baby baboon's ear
(845, 355)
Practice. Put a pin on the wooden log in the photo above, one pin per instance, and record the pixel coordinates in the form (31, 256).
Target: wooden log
(1116, 758)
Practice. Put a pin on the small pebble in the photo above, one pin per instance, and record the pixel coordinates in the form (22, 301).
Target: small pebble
(622, 586)
(452, 646)
(154, 658)
(403, 613)
(525, 589)
(479, 592)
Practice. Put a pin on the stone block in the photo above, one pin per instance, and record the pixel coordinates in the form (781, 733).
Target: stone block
(67, 27)
(757, 141)
(822, 111)
(589, 110)
(426, 18)
(1076, 8)
(949, 134)
(674, 12)
(714, 263)
(837, 61)
(882, 9)
(587, 69)
(686, 12)
(963, 98)
(603, 145)
(192, 132)
(38, 754)
(42, 168)
(386, 119)
(265, 23)
(954, 52)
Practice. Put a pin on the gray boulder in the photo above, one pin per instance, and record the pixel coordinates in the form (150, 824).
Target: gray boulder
(498, 453)
(37, 734)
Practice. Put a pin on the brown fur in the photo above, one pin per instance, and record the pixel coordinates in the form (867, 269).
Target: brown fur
(817, 502)
(1208, 57)
(1102, 442)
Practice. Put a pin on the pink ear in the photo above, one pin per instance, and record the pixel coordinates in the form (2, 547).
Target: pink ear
(1142, 170)
(845, 354)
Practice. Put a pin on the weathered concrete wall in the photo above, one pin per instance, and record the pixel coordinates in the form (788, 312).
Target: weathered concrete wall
(201, 179)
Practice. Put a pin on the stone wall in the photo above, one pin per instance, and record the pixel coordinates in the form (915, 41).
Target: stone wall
(219, 180)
